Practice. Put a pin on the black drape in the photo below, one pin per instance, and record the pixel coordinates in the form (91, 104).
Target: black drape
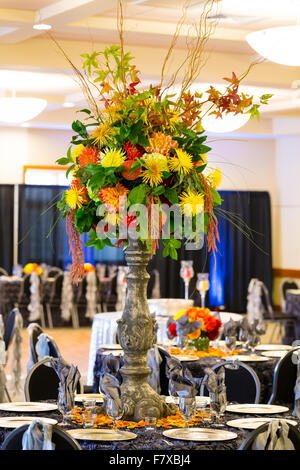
(42, 237)
(238, 259)
(6, 226)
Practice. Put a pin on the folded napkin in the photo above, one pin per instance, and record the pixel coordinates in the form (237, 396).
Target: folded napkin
(254, 331)
(215, 383)
(38, 436)
(275, 438)
(184, 326)
(154, 361)
(296, 411)
(181, 381)
(69, 376)
(231, 328)
(42, 347)
(109, 378)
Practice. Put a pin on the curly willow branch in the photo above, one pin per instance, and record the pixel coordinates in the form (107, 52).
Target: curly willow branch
(76, 249)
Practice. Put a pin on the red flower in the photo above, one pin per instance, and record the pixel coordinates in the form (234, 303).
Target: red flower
(133, 152)
(130, 175)
(172, 329)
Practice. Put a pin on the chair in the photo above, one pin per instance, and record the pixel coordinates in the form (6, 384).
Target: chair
(9, 331)
(55, 297)
(294, 436)
(42, 382)
(34, 331)
(3, 272)
(242, 384)
(24, 298)
(284, 380)
(53, 271)
(61, 439)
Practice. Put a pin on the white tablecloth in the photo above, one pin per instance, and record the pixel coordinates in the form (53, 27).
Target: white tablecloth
(104, 329)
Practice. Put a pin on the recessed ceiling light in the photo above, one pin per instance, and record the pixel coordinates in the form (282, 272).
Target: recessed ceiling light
(42, 26)
(68, 104)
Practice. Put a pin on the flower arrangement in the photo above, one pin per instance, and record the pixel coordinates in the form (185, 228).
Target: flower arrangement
(145, 146)
(30, 268)
(200, 338)
(89, 268)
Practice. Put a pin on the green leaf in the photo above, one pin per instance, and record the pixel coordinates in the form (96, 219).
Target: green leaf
(70, 169)
(216, 197)
(63, 161)
(158, 190)
(137, 195)
(201, 168)
(80, 128)
(171, 195)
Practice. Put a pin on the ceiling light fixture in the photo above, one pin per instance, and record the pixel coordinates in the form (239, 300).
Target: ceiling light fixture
(68, 104)
(18, 109)
(228, 123)
(278, 45)
(42, 26)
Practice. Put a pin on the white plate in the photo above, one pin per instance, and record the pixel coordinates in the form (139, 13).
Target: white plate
(114, 353)
(223, 343)
(253, 423)
(27, 406)
(200, 434)
(184, 358)
(273, 347)
(274, 353)
(256, 408)
(83, 396)
(17, 421)
(101, 435)
(245, 358)
(110, 346)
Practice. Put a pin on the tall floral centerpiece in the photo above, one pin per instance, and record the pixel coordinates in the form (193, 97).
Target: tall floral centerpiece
(138, 161)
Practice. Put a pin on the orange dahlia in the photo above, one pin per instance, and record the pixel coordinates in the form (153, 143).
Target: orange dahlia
(161, 143)
(111, 196)
(89, 156)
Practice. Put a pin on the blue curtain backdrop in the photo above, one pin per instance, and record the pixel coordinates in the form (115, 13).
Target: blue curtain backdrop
(43, 239)
(42, 233)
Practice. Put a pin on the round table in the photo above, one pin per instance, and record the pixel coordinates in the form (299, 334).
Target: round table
(104, 329)
(154, 440)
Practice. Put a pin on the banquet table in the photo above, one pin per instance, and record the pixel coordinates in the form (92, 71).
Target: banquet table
(105, 326)
(264, 373)
(11, 288)
(154, 439)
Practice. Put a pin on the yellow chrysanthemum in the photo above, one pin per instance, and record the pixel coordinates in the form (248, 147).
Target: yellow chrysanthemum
(77, 151)
(203, 158)
(215, 178)
(191, 203)
(112, 218)
(101, 133)
(173, 118)
(75, 197)
(156, 165)
(182, 163)
(112, 158)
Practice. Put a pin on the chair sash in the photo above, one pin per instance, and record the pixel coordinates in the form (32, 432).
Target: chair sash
(35, 306)
(275, 438)
(67, 298)
(91, 295)
(154, 361)
(38, 436)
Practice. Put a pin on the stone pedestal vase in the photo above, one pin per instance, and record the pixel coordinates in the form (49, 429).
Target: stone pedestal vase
(136, 333)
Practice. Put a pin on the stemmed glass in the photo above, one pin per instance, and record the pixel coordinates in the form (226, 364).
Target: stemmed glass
(218, 408)
(186, 273)
(187, 406)
(202, 286)
(65, 407)
(115, 411)
(230, 342)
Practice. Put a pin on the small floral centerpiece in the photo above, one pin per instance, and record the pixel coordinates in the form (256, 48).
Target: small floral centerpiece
(33, 268)
(200, 338)
(89, 268)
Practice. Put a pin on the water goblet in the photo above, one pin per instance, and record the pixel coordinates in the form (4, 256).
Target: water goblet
(230, 342)
(187, 406)
(65, 407)
(89, 412)
(202, 286)
(218, 407)
(186, 273)
(114, 411)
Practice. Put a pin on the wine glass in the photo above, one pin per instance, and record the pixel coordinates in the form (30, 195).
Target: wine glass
(115, 411)
(202, 286)
(218, 407)
(65, 407)
(186, 273)
(187, 406)
(230, 342)
(89, 412)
